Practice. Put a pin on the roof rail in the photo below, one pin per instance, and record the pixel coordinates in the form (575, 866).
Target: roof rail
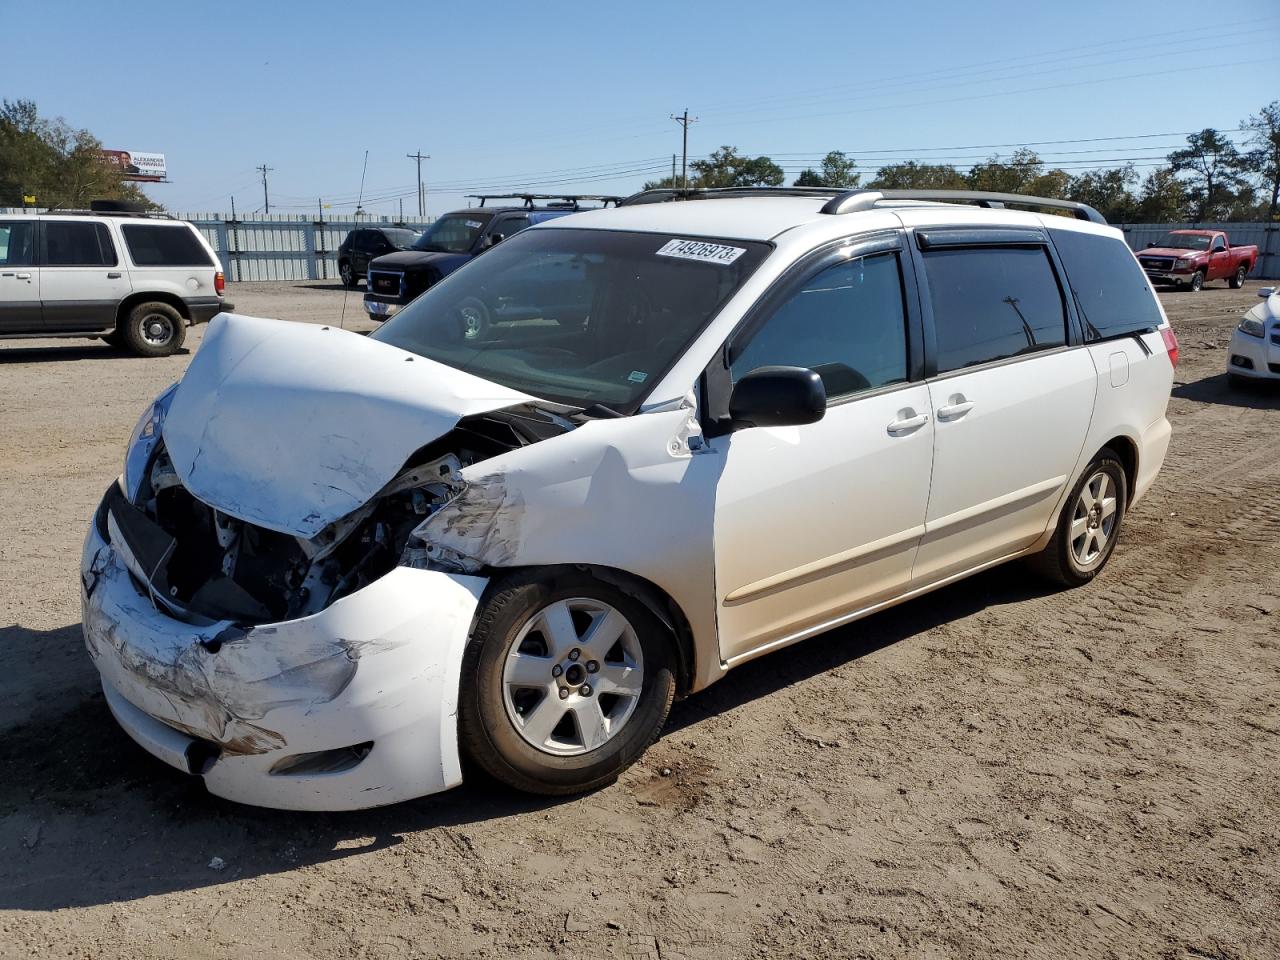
(667, 194)
(852, 201)
(143, 215)
(571, 199)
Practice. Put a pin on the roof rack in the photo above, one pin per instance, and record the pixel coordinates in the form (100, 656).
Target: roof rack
(668, 194)
(852, 201)
(107, 213)
(562, 199)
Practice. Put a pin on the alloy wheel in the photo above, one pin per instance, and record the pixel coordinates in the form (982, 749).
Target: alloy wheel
(1093, 520)
(573, 676)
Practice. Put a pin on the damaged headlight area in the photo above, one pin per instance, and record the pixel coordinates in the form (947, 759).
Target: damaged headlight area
(196, 559)
(143, 442)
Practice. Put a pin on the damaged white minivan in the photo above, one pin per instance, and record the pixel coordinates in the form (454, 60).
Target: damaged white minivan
(594, 469)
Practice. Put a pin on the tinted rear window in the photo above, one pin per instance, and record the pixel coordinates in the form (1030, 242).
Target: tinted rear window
(153, 245)
(992, 303)
(72, 243)
(1113, 295)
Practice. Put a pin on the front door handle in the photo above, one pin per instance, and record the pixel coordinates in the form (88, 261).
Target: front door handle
(113, 275)
(957, 406)
(24, 276)
(908, 422)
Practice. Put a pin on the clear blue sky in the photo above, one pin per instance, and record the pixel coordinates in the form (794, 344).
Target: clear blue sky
(576, 96)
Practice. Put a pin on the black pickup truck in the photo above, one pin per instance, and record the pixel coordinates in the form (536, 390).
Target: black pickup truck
(396, 278)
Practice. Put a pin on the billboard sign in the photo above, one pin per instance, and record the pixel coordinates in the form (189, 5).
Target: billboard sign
(138, 167)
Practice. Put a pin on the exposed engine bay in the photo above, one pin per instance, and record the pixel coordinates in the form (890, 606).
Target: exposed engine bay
(201, 561)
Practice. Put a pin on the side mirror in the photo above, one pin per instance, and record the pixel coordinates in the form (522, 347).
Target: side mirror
(777, 397)
(1151, 244)
(494, 239)
(1265, 292)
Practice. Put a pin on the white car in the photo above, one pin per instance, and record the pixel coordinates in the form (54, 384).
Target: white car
(684, 435)
(1254, 351)
(135, 280)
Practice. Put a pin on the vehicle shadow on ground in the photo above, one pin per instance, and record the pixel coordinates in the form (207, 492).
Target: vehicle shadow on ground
(86, 817)
(94, 351)
(334, 285)
(1219, 389)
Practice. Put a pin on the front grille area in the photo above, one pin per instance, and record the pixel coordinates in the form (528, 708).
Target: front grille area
(1156, 263)
(1275, 336)
(385, 283)
(1274, 367)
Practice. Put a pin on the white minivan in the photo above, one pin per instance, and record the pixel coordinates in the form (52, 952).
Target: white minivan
(685, 434)
(135, 280)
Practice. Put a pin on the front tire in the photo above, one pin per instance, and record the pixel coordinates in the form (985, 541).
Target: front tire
(153, 330)
(1089, 524)
(1197, 281)
(347, 274)
(565, 682)
(1237, 278)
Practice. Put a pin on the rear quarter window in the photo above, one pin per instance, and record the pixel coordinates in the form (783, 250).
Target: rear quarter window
(154, 245)
(1110, 289)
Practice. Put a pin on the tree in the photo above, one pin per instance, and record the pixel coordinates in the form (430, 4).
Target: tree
(728, 168)
(1024, 172)
(58, 164)
(837, 171)
(1263, 161)
(1109, 191)
(1212, 165)
(918, 176)
(1163, 198)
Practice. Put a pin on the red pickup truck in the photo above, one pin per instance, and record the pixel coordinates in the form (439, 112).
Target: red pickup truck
(1190, 257)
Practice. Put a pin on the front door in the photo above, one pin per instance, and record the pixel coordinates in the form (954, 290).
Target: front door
(19, 277)
(1012, 400)
(814, 523)
(81, 278)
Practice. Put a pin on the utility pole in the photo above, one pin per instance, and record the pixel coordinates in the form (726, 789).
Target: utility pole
(422, 190)
(684, 120)
(673, 169)
(266, 200)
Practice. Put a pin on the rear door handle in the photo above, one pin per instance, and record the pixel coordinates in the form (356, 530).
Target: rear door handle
(908, 422)
(113, 275)
(956, 407)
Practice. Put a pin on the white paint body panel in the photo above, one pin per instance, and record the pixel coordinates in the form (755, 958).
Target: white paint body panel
(292, 426)
(1261, 351)
(381, 664)
(818, 517)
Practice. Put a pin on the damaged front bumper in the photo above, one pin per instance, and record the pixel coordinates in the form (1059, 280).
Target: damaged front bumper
(351, 707)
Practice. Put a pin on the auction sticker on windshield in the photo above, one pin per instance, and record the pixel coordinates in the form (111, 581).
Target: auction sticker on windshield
(701, 250)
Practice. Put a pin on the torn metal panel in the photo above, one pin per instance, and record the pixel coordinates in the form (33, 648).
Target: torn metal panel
(632, 494)
(380, 665)
(292, 426)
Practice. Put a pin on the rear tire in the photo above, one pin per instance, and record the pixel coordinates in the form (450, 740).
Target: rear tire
(1237, 279)
(523, 717)
(1197, 281)
(1089, 525)
(344, 272)
(153, 329)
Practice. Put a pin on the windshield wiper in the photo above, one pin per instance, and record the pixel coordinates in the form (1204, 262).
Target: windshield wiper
(598, 411)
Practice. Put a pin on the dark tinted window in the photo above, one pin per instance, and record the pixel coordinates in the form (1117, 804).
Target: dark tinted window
(990, 303)
(17, 243)
(1110, 289)
(510, 225)
(847, 323)
(78, 244)
(153, 245)
(455, 233)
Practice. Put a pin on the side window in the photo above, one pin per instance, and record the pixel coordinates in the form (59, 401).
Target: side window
(17, 243)
(378, 242)
(991, 303)
(1219, 244)
(1110, 288)
(847, 322)
(510, 226)
(155, 245)
(72, 243)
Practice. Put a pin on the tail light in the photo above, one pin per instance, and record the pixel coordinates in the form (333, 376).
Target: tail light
(219, 283)
(1170, 344)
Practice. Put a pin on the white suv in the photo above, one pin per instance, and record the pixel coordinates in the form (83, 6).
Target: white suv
(134, 280)
(684, 435)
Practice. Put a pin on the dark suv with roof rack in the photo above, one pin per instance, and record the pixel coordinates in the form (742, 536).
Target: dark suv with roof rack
(396, 278)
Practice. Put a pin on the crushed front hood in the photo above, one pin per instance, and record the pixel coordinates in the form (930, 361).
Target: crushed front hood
(292, 426)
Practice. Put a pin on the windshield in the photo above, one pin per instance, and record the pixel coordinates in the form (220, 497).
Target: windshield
(579, 317)
(401, 239)
(455, 233)
(1184, 241)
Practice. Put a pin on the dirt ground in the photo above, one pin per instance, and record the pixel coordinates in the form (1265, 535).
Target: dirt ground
(998, 770)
